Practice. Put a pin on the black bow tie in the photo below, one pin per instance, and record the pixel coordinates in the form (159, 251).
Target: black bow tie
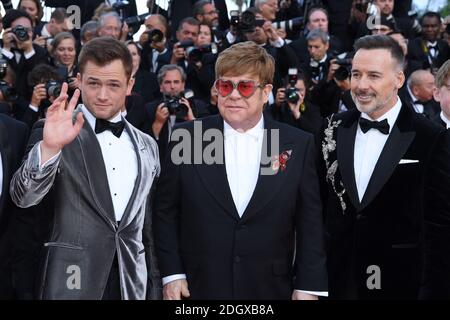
(115, 127)
(419, 102)
(366, 125)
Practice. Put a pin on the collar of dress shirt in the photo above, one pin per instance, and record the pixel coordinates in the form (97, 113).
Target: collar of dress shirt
(445, 119)
(255, 132)
(431, 43)
(391, 115)
(91, 119)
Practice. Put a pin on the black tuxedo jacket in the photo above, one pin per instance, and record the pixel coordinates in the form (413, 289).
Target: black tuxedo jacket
(199, 232)
(13, 138)
(418, 56)
(437, 119)
(430, 108)
(402, 224)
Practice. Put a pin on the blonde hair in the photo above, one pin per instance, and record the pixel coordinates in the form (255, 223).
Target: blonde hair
(246, 57)
(443, 74)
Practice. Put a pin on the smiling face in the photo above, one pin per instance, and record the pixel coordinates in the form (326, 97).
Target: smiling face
(243, 113)
(65, 52)
(104, 88)
(375, 80)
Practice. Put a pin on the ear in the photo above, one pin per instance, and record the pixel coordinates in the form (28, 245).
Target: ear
(130, 86)
(266, 92)
(400, 79)
(437, 94)
(79, 78)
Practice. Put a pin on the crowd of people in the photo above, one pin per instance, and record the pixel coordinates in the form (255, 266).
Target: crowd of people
(352, 203)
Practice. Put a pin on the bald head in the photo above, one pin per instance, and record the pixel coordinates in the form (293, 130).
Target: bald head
(421, 84)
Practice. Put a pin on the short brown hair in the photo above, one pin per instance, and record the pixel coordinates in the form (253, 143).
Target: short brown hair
(382, 42)
(442, 75)
(246, 57)
(104, 50)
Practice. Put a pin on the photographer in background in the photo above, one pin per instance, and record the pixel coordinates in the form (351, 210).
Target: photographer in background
(197, 61)
(292, 108)
(340, 72)
(18, 48)
(59, 22)
(316, 69)
(155, 47)
(46, 83)
(255, 28)
(173, 107)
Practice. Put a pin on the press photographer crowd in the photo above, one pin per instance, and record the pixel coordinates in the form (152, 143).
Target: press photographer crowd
(92, 206)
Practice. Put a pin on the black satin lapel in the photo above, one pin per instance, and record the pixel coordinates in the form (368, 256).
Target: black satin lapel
(345, 156)
(214, 177)
(269, 181)
(393, 151)
(96, 172)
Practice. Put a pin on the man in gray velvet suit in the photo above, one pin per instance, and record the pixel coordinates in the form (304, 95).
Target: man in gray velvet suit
(98, 171)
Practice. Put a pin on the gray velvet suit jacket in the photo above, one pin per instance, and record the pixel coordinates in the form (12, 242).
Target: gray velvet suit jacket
(85, 234)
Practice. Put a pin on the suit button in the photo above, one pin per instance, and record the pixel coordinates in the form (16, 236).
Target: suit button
(242, 226)
(360, 217)
(237, 259)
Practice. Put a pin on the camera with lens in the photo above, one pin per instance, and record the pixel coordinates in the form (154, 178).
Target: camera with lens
(234, 18)
(289, 25)
(21, 33)
(345, 67)
(136, 21)
(195, 54)
(155, 35)
(177, 108)
(248, 22)
(291, 91)
(53, 88)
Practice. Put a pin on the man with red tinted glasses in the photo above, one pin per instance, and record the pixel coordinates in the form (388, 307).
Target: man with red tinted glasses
(247, 225)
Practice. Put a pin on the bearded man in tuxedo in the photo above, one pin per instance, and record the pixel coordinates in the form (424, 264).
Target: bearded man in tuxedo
(386, 183)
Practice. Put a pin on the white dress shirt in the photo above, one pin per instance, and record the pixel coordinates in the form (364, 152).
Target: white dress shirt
(368, 147)
(120, 161)
(242, 162)
(445, 119)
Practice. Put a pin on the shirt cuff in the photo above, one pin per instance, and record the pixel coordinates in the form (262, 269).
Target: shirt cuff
(315, 293)
(35, 109)
(231, 39)
(49, 162)
(277, 43)
(29, 54)
(7, 53)
(166, 280)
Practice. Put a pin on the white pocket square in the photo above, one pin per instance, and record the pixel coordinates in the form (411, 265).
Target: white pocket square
(404, 161)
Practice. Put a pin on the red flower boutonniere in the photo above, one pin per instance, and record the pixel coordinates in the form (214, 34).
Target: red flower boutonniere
(281, 160)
